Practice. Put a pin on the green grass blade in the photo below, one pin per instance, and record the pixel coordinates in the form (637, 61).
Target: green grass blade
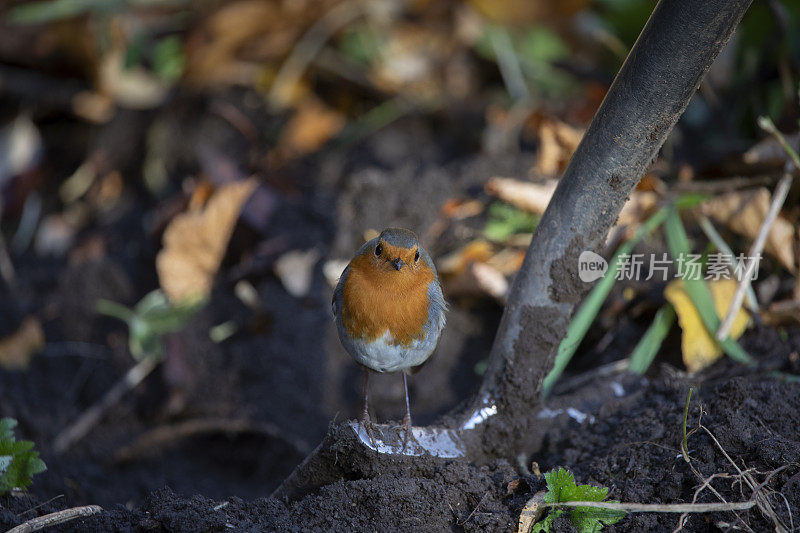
(647, 348)
(699, 294)
(591, 306)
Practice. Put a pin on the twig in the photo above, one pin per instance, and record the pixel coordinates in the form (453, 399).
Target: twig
(778, 197)
(54, 519)
(765, 123)
(160, 436)
(714, 236)
(763, 504)
(684, 445)
(476, 508)
(727, 184)
(92, 416)
(661, 507)
(309, 46)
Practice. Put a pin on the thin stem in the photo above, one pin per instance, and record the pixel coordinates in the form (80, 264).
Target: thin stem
(778, 197)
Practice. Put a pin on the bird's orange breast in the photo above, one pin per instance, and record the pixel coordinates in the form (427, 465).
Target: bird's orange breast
(376, 300)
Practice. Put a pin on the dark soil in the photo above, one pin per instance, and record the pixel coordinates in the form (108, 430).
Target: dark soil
(628, 441)
(285, 370)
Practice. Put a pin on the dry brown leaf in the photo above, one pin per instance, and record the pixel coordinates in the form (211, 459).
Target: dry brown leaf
(460, 209)
(195, 243)
(215, 53)
(478, 251)
(17, 349)
(557, 142)
(534, 197)
(507, 261)
(478, 279)
(132, 87)
(412, 61)
(525, 195)
(698, 348)
(744, 211)
(312, 125)
(531, 513)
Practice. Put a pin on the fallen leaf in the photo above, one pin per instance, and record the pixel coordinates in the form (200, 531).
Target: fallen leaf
(455, 263)
(534, 197)
(557, 142)
(474, 271)
(220, 51)
(312, 125)
(515, 485)
(460, 209)
(17, 349)
(21, 148)
(412, 61)
(531, 513)
(295, 269)
(698, 347)
(132, 87)
(744, 211)
(195, 243)
(529, 196)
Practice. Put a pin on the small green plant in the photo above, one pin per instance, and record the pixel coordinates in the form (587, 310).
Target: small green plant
(148, 321)
(506, 220)
(561, 488)
(18, 462)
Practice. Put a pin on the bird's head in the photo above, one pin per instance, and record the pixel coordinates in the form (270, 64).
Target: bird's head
(396, 252)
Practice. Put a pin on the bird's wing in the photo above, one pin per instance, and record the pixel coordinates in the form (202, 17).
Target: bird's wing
(336, 301)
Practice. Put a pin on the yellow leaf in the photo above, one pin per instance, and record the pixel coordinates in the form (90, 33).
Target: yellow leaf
(16, 349)
(195, 243)
(698, 347)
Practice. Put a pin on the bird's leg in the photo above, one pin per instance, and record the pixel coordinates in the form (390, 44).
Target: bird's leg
(407, 418)
(365, 420)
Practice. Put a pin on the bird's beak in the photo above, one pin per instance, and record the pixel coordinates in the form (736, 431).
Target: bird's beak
(398, 264)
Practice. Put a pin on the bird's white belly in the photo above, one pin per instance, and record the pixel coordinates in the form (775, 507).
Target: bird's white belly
(382, 355)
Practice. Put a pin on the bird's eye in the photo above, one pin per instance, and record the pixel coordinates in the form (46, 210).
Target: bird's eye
(378, 250)
(416, 256)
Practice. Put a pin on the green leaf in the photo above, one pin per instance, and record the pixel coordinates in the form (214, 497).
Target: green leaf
(149, 320)
(169, 59)
(506, 220)
(561, 487)
(648, 346)
(580, 323)
(7, 426)
(699, 294)
(545, 525)
(5, 461)
(18, 462)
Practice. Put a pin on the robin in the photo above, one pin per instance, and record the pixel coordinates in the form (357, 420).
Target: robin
(389, 309)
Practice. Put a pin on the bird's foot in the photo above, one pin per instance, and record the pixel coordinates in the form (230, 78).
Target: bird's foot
(369, 427)
(408, 434)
